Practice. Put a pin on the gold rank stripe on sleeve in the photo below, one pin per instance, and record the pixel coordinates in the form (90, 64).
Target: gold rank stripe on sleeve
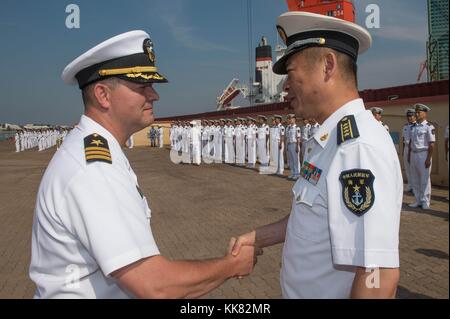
(96, 149)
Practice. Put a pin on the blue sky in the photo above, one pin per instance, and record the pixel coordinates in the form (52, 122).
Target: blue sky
(201, 45)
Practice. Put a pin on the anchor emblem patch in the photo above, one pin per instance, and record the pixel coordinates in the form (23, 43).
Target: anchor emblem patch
(357, 190)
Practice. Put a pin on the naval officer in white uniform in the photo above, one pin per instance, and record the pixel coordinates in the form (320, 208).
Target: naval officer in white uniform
(91, 231)
(422, 141)
(411, 118)
(346, 206)
(377, 113)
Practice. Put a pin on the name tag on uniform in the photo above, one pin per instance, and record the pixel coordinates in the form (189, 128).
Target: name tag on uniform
(311, 173)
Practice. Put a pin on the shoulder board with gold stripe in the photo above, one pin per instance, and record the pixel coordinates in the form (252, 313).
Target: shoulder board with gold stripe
(347, 129)
(96, 149)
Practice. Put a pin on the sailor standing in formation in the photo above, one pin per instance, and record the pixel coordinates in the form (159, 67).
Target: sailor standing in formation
(263, 136)
(421, 146)
(293, 141)
(377, 113)
(245, 142)
(42, 139)
(411, 118)
(240, 142)
(279, 134)
(251, 142)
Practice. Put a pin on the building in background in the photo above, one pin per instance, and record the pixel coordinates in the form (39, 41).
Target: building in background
(437, 45)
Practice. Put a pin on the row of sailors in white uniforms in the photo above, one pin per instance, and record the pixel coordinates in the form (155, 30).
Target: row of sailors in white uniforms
(238, 144)
(42, 139)
(417, 139)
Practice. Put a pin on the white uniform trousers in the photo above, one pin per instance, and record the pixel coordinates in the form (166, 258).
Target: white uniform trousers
(420, 177)
(293, 159)
(229, 150)
(262, 152)
(240, 150)
(196, 154)
(280, 157)
(407, 166)
(251, 151)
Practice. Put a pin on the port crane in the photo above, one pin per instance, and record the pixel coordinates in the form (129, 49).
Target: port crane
(224, 101)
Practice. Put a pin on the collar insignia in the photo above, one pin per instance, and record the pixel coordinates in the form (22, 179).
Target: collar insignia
(324, 137)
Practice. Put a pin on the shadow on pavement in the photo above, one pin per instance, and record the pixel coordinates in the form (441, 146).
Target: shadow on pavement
(431, 212)
(432, 253)
(403, 293)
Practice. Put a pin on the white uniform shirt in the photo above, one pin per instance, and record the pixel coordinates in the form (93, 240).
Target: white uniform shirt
(292, 133)
(229, 131)
(324, 239)
(422, 134)
(251, 132)
(306, 132)
(90, 220)
(313, 129)
(263, 131)
(407, 133)
(279, 132)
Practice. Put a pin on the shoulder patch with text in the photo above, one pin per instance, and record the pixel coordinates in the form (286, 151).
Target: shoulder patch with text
(357, 190)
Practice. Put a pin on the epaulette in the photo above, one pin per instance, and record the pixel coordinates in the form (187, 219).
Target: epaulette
(96, 149)
(347, 129)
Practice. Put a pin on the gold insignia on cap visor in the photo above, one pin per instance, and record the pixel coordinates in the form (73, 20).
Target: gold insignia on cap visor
(137, 69)
(155, 76)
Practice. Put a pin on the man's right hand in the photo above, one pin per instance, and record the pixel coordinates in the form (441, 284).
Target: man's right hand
(244, 261)
(247, 239)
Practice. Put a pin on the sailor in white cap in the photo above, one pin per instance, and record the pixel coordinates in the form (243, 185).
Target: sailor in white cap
(91, 231)
(17, 140)
(422, 141)
(272, 152)
(240, 142)
(314, 127)
(263, 136)
(343, 229)
(221, 141)
(411, 120)
(293, 141)
(195, 140)
(161, 136)
(377, 113)
(278, 145)
(229, 142)
(251, 142)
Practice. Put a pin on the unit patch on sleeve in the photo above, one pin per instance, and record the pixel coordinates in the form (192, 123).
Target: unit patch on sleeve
(347, 129)
(357, 190)
(96, 149)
